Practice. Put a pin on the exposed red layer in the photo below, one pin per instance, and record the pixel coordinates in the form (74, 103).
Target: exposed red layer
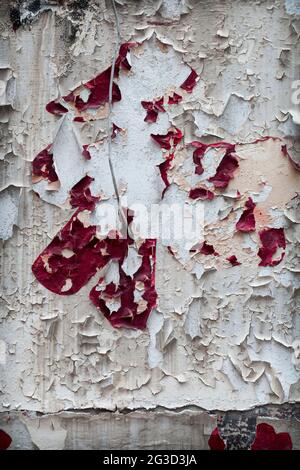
(75, 255)
(153, 108)
(86, 152)
(201, 148)
(201, 193)
(115, 130)
(190, 83)
(54, 107)
(205, 249)
(226, 169)
(175, 99)
(99, 92)
(163, 168)
(43, 167)
(85, 255)
(246, 223)
(99, 86)
(215, 441)
(169, 140)
(233, 260)
(5, 440)
(266, 438)
(271, 239)
(80, 195)
(128, 314)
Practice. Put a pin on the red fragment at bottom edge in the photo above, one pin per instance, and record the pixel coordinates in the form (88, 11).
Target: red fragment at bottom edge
(215, 441)
(266, 438)
(5, 440)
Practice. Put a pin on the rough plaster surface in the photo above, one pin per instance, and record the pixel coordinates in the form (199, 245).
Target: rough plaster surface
(221, 337)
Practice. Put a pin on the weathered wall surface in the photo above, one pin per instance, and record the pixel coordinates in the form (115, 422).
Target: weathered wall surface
(223, 336)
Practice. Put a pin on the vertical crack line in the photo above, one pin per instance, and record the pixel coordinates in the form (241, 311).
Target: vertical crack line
(109, 119)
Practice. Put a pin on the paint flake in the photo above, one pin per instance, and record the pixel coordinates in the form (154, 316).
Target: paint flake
(190, 83)
(201, 193)
(43, 166)
(267, 439)
(271, 239)
(153, 108)
(246, 223)
(215, 441)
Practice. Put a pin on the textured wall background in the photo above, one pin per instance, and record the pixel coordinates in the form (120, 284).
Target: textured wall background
(222, 338)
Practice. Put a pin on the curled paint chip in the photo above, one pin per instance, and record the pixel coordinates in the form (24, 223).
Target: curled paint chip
(190, 83)
(201, 193)
(43, 166)
(163, 168)
(86, 152)
(80, 195)
(233, 260)
(76, 253)
(226, 168)
(205, 249)
(266, 438)
(71, 259)
(98, 87)
(201, 148)
(153, 108)
(5, 440)
(175, 99)
(285, 152)
(123, 59)
(246, 223)
(272, 239)
(131, 313)
(54, 107)
(215, 441)
(169, 140)
(115, 130)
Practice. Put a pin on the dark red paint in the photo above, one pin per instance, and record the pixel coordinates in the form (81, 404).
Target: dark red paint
(246, 223)
(201, 193)
(169, 140)
(163, 168)
(43, 166)
(215, 441)
(54, 107)
(99, 86)
(86, 152)
(175, 99)
(5, 440)
(190, 83)
(127, 315)
(80, 195)
(153, 108)
(226, 169)
(205, 249)
(267, 439)
(115, 130)
(271, 239)
(233, 260)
